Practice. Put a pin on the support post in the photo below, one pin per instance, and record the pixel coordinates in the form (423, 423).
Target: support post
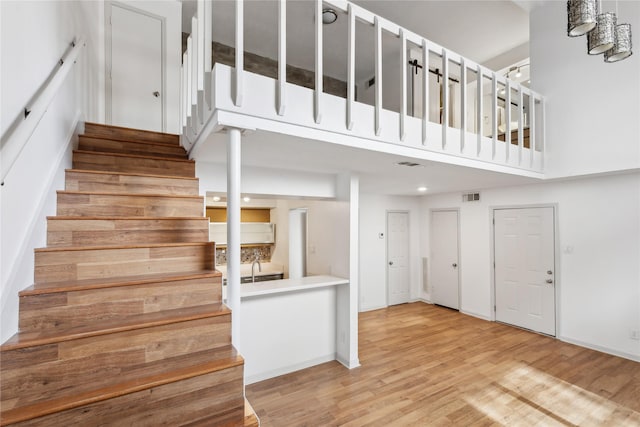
(233, 232)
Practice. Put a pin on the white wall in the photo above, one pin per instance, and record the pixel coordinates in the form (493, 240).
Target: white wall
(267, 181)
(326, 242)
(598, 272)
(592, 107)
(373, 250)
(34, 36)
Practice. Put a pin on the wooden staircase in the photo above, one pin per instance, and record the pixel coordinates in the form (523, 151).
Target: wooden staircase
(125, 323)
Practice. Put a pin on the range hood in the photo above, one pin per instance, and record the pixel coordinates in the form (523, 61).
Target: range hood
(251, 233)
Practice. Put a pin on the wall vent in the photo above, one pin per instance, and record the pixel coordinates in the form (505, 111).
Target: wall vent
(471, 197)
(408, 164)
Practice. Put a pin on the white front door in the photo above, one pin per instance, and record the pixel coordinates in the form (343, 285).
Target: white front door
(525, 268)
(445, 287)
(397, 257)
(135, 98)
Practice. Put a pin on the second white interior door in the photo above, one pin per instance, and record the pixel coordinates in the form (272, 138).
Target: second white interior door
(445, 289)
(397, 257)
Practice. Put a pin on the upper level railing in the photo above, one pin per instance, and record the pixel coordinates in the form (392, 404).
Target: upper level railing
(458, 107)
(16, 137)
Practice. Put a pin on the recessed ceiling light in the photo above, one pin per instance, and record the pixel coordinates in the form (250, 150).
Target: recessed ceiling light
(246, 199)
(422, 189)
(216, 198)
(329, 16)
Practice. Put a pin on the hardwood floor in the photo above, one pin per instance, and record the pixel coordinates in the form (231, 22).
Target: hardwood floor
(424, 365)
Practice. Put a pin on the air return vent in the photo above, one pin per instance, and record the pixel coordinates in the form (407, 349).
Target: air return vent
(408, 164)
(471, 197)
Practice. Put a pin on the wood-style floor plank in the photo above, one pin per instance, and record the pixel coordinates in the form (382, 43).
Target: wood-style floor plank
(424, 365)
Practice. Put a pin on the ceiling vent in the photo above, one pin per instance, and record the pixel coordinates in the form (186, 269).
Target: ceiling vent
(471, 197)
(408, 164)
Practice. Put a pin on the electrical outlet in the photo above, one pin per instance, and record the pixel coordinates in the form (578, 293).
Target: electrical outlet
(634, 335)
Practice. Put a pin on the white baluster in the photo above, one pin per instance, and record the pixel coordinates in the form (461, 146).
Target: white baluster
(425, 90)
(282, 57)
(445, 97)
(319, 72)
(378, 75)
(403, 85)
(463, 101)
(479, 110)
(239, 89)
(351, 65)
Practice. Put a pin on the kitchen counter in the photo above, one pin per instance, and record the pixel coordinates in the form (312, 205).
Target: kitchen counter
(249, 290)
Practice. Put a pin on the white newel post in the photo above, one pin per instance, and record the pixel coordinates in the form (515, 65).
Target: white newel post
(233, 232)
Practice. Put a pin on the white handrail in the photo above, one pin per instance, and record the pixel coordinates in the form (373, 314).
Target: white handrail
(16, 137)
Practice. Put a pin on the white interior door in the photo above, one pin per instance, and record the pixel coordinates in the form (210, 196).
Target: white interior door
(445, 284)
(397, 257)
(524, 268)
(136, 70)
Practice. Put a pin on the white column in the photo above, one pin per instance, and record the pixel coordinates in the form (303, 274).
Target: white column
(233, 232)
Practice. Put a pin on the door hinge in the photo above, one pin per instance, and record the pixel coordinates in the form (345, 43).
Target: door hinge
(494, 221)
(494, 308)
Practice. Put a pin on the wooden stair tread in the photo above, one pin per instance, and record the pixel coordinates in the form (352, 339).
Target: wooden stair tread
(123, 139)
(111, 247)
(145, 175)
(136, 156)
(83, 285)
(139, 321)
(142, 131)
(98, 193)
(185, 368)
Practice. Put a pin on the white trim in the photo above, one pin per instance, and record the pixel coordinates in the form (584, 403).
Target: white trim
(351, 364)
(477, 315)
(602, 349)
(288, 369)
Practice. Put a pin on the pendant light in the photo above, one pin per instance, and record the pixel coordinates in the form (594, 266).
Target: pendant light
(582, 16)
(622, 47)
(602, 38)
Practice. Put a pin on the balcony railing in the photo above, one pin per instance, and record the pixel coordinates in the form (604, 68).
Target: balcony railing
(458, 107)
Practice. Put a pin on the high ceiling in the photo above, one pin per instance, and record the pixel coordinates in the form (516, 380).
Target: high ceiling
(477, 29)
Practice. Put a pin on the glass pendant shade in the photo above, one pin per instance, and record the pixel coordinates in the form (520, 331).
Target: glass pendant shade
(622, 47)
(602, 37)
(582, 16)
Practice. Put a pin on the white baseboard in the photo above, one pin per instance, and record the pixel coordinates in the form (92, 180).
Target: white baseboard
(364, 309)
(421, 300)
(478, 315)
(250, 379)
(354, 363)
(625, 355)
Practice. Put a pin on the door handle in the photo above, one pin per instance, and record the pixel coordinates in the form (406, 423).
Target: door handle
(156, 94)
(454, 265)
(549, 272)
(390, 262)
(549, 281)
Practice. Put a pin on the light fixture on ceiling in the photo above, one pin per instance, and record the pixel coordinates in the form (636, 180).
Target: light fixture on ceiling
(602, 37)
(622, 48)
(606, 36)
(216, 198)
(422, 189)
(246, 199)
(329, 16)
(582, 16)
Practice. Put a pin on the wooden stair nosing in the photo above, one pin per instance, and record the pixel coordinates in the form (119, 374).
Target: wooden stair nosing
(140, 321)
(126, 218)
(140, 174)
(111, 247)
(136, 156)
(123, 139)
(61, 404)
(88, 284)
(104, 193)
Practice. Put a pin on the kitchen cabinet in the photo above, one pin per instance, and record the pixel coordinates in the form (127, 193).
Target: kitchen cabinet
(251, 233)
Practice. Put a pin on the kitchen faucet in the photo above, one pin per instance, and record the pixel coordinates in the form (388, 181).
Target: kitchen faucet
(253, 274)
